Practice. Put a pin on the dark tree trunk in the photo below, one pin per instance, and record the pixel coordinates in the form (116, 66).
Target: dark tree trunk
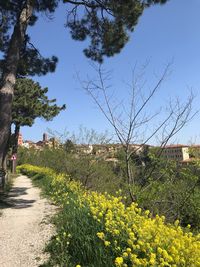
(5, 106)
(9, 76)
(4, 164)
(15, 141)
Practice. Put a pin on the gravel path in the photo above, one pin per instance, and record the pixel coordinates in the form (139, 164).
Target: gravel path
(24, 226)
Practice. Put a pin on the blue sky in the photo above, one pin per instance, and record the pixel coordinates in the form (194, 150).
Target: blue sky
(164, 33)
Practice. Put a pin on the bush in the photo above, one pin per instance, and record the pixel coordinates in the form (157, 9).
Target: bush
(96, 229)
(165, 188)
(92, 173)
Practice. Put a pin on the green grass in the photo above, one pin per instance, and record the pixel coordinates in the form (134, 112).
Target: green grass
(75, 241)
(5, 191)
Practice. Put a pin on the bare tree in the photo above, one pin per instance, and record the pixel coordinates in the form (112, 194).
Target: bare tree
(131, 121)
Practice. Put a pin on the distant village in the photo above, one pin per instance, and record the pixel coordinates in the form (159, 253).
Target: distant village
(178, 152)
(45, 142)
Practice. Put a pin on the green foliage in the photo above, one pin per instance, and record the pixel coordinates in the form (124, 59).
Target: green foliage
(127, 236)
(172, 190)
(31, 102)
(164, 187)
(194, 152)
(94, 174)
(82, 244)
(69, 146)
(31, 62)
(75, 240)
(106, 23)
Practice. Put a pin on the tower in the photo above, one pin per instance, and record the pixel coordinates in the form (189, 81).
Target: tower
(45, 137)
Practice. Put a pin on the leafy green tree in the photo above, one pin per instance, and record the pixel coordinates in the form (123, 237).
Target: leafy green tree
(69, 146)
(105, 22)
(31, 102)
(20, 57)
(170, 189)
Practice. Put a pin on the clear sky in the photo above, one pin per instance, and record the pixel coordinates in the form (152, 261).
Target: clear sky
(164, 33)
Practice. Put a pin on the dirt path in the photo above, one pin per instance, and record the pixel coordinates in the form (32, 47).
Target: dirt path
(24, 226)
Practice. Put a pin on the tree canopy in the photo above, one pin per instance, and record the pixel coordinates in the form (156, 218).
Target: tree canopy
(31, 62)
(106, 23)
(31, 102)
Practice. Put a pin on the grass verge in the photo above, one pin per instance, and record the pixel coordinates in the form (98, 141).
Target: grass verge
(98, 230)
(5, 191)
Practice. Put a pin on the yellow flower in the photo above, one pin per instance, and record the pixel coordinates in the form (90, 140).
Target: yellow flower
(132, 235)
(107, 243)
(152, 261)
(176, 223)
(132, 231)
(125, 254)
(119, 261)
(128, 250)
(101, 235)
(116, 232)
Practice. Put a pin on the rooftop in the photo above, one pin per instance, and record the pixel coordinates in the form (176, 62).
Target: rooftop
(176, 146)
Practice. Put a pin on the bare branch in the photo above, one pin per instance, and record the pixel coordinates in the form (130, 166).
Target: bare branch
(129, 122)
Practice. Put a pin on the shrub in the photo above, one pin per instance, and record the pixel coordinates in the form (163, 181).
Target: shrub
(99, 230)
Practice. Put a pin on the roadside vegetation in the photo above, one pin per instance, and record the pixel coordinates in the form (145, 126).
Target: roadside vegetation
(163, 187)
(95, 229)
(125, 209)
(4, 192)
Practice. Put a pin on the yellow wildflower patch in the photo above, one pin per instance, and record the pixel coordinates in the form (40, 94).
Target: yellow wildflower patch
(134, 237)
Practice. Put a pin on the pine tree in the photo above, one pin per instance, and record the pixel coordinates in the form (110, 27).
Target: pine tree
(31, 102)
(106, 22)
(16, 16)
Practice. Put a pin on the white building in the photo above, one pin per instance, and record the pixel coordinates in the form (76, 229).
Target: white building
(176, 152)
